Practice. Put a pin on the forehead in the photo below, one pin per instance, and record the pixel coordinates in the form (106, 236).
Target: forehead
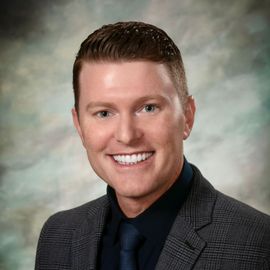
(125, 83)
(124, 74)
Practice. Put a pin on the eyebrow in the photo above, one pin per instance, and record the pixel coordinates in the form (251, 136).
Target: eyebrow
(93, 104)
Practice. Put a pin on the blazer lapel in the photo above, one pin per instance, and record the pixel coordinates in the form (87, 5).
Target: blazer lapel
(86, 239)
(183, 245)
(181, 250)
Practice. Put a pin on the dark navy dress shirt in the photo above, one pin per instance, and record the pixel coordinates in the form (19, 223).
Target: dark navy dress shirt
(154, 224)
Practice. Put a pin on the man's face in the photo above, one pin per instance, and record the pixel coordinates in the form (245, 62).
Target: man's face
(132, 126)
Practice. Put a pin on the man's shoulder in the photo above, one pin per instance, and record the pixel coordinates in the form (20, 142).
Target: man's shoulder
(239, 230)
(238, 214)
(66, 228)
(73, 218)
(236, 234)
(225, 206)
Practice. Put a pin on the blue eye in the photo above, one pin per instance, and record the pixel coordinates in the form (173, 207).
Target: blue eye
(150, 108)
(103, 114)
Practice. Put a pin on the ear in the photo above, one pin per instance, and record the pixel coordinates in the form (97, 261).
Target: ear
(76, 123)
(189, 112)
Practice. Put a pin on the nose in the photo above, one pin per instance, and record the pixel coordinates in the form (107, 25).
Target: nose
(127, 131)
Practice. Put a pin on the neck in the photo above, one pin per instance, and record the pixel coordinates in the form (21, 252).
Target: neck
(134, 206)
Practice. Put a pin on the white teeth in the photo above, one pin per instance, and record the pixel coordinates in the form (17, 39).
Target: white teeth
(132, 159)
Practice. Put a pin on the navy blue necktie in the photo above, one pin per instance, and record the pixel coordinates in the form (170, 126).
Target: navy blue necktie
(130, 240)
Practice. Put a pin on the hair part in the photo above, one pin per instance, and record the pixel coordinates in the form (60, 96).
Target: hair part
(131, 41)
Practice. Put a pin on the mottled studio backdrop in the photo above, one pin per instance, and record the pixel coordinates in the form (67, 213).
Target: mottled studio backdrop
(226, 50)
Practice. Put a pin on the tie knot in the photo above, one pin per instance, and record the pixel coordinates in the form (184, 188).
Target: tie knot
(130, 238)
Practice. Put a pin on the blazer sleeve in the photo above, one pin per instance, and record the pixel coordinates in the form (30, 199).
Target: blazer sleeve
(41, 247)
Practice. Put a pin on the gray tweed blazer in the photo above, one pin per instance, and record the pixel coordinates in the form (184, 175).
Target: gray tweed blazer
(211, 231)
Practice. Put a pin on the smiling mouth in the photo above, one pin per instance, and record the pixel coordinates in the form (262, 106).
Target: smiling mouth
(133, 158)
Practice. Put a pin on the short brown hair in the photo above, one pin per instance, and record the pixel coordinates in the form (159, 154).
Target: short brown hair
(131, 41)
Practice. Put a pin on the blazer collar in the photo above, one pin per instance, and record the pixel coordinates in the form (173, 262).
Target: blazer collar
(184, 245)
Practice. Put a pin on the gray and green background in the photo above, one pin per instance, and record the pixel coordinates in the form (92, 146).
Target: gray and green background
(43, 167)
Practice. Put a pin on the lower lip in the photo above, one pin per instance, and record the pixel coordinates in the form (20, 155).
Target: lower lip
(135, 165)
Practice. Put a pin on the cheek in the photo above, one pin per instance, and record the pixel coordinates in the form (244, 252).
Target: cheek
(169, 129)
(95, 139)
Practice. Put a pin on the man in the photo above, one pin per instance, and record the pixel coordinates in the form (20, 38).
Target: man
(132, 112)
